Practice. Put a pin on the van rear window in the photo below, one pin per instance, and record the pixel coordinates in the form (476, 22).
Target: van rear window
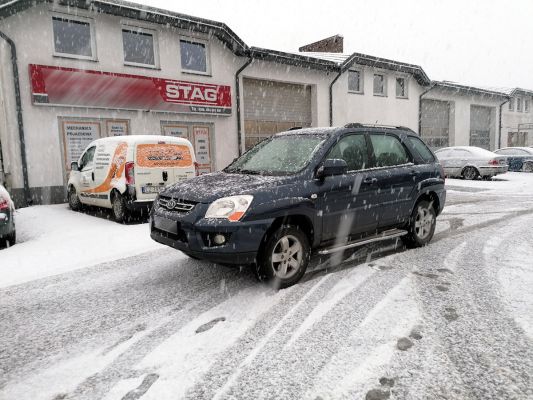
(163, 155)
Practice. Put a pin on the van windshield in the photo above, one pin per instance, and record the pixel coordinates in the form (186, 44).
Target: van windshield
(279, 155)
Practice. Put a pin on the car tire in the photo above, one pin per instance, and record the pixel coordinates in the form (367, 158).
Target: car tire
(12, 238)
(469, 173)
(284, 257)
(421, 225)
(74, 201)
(118, 207)
(527, 167)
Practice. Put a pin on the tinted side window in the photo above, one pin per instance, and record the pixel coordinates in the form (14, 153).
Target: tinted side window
(423, 152)
(87, 158)
(353, 150)
(388, 151)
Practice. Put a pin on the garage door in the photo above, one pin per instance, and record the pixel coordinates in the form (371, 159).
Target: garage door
(435, 123)
(271, 107)
(480, 121)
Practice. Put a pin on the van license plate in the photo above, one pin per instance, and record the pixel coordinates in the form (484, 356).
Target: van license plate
(152, 189)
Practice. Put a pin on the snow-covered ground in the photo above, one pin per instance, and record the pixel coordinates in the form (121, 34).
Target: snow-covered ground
(119, 317)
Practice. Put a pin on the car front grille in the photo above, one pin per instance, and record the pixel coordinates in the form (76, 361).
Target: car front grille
(179, 205)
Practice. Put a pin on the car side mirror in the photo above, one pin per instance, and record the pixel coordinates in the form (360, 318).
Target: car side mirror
(332, 167)
(74, 166)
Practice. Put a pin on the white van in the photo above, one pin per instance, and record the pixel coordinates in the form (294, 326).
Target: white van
(125, 173)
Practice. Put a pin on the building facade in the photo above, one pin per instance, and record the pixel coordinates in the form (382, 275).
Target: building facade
(102, 68)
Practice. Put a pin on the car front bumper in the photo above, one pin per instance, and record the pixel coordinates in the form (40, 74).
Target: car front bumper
(194, 235)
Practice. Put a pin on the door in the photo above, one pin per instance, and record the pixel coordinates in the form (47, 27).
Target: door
(480, 123)
(396, 178)
(345, 201)
(87, 178)
(435, 122)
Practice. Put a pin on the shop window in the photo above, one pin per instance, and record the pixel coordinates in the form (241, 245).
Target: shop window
(401, 88)
(355, 83)
(193, 56)
(73, 37)
(139, 47)
(380, 87)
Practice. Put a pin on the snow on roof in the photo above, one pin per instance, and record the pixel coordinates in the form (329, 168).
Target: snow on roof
(337, 58)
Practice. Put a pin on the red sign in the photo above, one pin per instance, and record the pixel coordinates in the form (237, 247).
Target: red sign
(86, 88)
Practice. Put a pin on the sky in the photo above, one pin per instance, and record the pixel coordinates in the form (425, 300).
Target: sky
(476, 42)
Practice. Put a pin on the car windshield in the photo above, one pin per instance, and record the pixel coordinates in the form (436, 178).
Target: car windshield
(280, 155)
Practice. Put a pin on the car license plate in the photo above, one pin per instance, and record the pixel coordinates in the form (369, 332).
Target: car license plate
(152, 189)
(166, 225)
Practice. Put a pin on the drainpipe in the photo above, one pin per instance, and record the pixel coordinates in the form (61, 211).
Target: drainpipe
(238, 100)
(27, 195)
(331, 97)
(420, 107)
(500, 123)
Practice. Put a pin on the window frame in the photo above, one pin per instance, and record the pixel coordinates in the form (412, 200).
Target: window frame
(75, 18)
(385, 88)
(361, 81)
(526, 106)
(511, 104)
(518, 104)
(90, 164)
(405, 87)
(373, 159)
(155, 44)
(203, 42)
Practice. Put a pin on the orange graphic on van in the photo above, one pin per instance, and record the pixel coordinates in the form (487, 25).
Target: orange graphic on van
(163, 155)
(115, 171)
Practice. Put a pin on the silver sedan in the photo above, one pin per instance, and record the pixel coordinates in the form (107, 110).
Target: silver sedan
(471, 162)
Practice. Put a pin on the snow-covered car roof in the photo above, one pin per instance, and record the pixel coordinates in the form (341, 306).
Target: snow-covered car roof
(472, 149)
(4, 194)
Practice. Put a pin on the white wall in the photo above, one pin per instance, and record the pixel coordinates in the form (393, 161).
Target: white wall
(370, 109)
(511, 120)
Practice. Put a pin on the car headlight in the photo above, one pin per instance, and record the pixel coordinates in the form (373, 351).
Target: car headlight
(231, 208)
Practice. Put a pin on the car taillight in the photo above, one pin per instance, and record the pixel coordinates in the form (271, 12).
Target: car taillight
(196, 168)
(129, 170)
(494, 162)
(4, 205)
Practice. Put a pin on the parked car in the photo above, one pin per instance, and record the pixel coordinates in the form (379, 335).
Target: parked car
(125, 173)
(8, 233)
(518, 158)
(471, 162)
(323, 189)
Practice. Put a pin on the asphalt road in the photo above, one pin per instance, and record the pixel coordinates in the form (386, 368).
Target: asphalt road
(430, 323)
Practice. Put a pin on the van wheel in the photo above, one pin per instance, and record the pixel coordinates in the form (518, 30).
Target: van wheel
(118, 206)
(470, 173)
(284, 257)
(74, 201)
(12, 238)
(421, 225)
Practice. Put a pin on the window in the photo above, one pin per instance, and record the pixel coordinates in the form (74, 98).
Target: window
(526, 105)
(401, 88)
(87, 158)
(380, 88)
(193, 56)
(139, 47)
(353, 150)
(511, 104)
(423, 152)
(519, 104)
(73, 37)
(355, 83)
(388, 151)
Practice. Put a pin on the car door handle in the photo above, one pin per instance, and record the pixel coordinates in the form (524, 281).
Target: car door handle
(92, 176)
(414, 172)
(370, 181)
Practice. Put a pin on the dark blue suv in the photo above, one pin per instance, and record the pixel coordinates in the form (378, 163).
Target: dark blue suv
(318, 189)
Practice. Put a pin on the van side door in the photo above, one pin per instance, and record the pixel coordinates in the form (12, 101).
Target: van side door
(86, 166)
(345, 201)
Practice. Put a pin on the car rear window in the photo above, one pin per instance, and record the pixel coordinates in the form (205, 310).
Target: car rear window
(422, 150)
(165, 155)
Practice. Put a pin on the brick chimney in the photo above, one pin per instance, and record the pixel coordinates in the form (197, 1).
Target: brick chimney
(333, 44)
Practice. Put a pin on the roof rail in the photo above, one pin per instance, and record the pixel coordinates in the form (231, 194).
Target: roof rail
(294, 128)
(359, 125)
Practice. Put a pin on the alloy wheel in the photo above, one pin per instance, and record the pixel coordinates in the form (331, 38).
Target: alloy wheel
(287, 257)
(423, 222)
